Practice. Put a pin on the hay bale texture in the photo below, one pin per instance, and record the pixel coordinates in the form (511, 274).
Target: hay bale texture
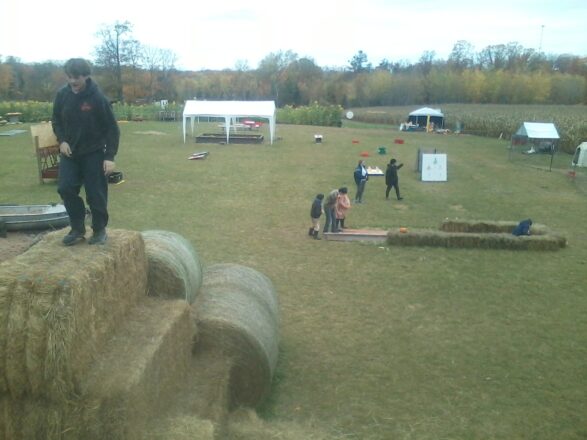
(140, 372)
(238, 316)
(175, 270)
(479, 235)
(484, 226)
(59, 305)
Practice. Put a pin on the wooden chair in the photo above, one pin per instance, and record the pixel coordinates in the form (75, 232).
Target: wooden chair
(46, 151)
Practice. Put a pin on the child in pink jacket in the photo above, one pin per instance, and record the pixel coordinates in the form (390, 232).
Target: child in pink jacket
(343, 204)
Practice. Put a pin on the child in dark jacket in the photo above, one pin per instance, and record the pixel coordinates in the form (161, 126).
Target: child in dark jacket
(391, 178)
(523, 227)
(315, 214)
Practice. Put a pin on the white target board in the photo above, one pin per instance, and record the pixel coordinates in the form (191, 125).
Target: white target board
(434, 168)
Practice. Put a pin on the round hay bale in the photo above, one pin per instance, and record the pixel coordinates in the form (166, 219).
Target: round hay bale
(238, 315)
(175, 270)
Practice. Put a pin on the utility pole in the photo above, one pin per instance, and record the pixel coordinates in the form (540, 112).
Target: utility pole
(541, 34)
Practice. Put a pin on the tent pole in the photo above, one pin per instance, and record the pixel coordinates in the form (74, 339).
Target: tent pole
(227, 120)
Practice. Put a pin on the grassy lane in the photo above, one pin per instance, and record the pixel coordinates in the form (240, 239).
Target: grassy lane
(378, 342)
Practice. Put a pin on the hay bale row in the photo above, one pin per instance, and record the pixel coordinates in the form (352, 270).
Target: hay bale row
(477, 226)
(59, 305)
(475, 240)
(238, 315)
(175, 270)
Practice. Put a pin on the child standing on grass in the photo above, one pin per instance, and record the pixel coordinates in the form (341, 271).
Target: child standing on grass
(343, 204)
(315, 214)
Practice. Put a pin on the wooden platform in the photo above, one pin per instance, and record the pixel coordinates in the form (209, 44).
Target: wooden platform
(368, 235)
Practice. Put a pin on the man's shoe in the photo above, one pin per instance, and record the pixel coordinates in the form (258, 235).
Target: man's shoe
(98, 237)
(74, 236)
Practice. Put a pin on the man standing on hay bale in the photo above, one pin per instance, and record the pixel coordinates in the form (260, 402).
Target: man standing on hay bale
(88, 136)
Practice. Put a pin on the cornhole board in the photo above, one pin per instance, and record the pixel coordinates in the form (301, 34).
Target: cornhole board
(434, 168)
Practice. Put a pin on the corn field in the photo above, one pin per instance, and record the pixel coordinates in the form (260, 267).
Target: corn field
(494, 120)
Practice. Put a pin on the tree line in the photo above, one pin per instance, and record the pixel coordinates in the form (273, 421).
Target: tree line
(130, 72)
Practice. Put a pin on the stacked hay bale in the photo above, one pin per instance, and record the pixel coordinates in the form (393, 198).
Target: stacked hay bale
(85, 353)
(479, 235)
(175, 269)
(139, 375)
(58, 308)
(238, 317)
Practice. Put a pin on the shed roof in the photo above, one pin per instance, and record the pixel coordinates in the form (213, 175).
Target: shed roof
(538, 130)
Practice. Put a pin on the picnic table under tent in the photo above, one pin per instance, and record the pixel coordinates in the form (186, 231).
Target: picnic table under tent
(230, 111)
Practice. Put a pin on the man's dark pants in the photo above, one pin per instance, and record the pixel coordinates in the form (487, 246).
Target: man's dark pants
(87, 170)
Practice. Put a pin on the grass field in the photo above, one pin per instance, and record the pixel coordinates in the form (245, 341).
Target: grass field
(377, 342)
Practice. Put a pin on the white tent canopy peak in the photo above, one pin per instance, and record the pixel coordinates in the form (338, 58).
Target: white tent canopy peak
(427, 111)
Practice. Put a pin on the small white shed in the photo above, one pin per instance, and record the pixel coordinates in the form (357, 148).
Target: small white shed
(580, 157)
(542, 134)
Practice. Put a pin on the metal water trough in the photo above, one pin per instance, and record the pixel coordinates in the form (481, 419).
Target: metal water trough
(25, 217)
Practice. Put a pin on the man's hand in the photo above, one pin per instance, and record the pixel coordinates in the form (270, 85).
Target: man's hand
(108, 167)
(65, 149)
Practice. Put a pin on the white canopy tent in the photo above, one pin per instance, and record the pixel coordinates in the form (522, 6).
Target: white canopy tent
(425, 115)
(230, 111)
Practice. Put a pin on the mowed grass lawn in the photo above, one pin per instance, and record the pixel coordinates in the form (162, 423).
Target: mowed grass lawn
(377, 342)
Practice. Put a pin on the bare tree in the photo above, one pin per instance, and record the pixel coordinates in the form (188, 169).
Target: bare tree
(462, 56)
(159, 63)
(116, 50)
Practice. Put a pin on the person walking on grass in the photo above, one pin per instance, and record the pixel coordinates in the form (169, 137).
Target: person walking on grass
(315, 213)
(360, 175)
(88, 136)
(329, 211)
(391, 178)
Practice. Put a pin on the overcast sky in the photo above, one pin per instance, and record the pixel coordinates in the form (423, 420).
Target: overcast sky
(220, 34)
